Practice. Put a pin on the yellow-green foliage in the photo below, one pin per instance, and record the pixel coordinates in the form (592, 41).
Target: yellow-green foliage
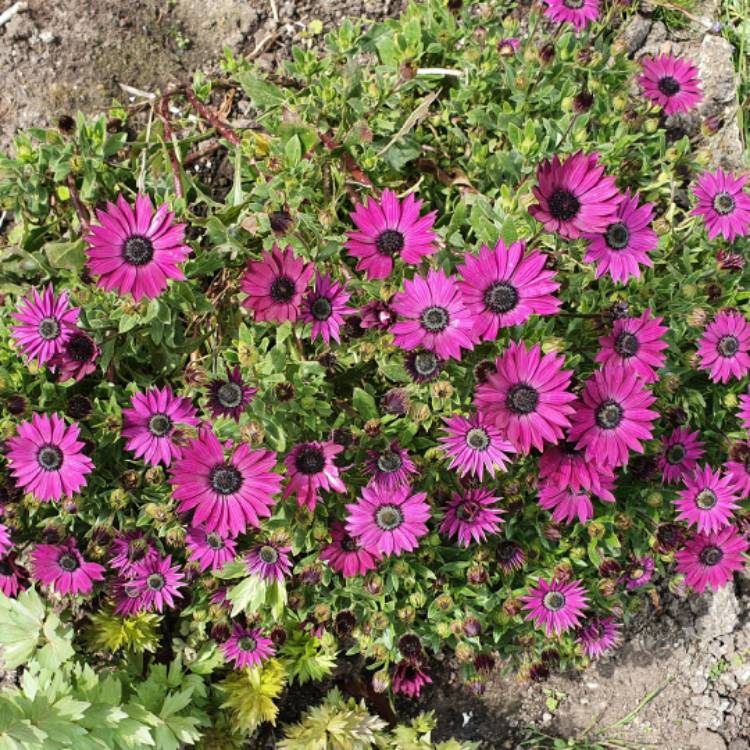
(111, 632)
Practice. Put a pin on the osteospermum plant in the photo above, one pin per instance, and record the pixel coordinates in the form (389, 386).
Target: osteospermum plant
(451, 364)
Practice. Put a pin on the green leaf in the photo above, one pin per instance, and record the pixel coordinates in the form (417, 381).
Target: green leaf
(264, 95)
(247, 596)
(68, 255)
(364, 403)
(293, 151)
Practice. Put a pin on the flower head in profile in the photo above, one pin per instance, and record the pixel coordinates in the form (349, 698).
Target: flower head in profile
(346, 555)
(670, 82)
(390, 468)
(555, 606)
(128, 549)
(679, 455)
(707, 501)
(311, 468)
(62, 568)
(209, 549)
(565, 467)
(738, 469)
(325, 307)
(423, 365)
(710, 560)
(157, 582)
(638, 572)
(578, 13)
(269, 560)
(229, 397)
(475, 445)
(510, 556)
(409, 678)
(135, 250)
(388, 229)
(13, 576)
(723, 204)
(247, 647)
(76, 358)
(724, 349)
(471, 516)
(568, 505)
(598, 635)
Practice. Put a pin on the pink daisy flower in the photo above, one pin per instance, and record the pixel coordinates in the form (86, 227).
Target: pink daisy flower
(12, 576)
(378, 315)
(624, 244)
(471, 516)
(136, 249)
(325, 307)
(567, 505)
(345, 554)
(578, 13)
(565, 467)
(724, 204)
(670, 82)
(409, 679)
(614, 417)
(275, 285)
(555, 606)
(45, 324)
(77, 357)
(129, 549)
(723, 349)
(599, 635)
(61, 567)
(637, 345)
(150, 425)
(575, 196)
(247, 647)
(209, 549)
(45, 457)
(229, 397)
(639, 572)
(128, 598)
(712, 559)
(423, 365)
(390, 468)
(387, 229)
(510, 556)
(527, 397)
(738, 469)
(158, 582)
(311, 468)
(475, 446)
(679, 455)
(436, 317)
(502, 288)
(707, 500)
(388, 522)
(226, 493)
(269, 560)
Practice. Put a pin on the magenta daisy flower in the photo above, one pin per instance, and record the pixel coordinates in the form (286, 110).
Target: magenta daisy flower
(723, 203)
(712, 559)
(475, 446)
(555, 606)
(638, 572)
(624, 244)
(390, 468)
(247, 647)
(575, 196)
(388, 521)
(738, 469)
(637, 345)
(325, 307)
(471, 516)
(564, 466)
(77, 357)
(423, 365)
(61, 567)
(209, 549)
(158, 582)
(578, 13)
(275, 285)
(707, 501)
(45, 457)
(149, 426)
(670, 82)
(12, 576)
(567, 505)
(527, 396)
(45, 324)
(378, 315)
(614, 417)
(598, 635)
(502, 288)
(128, 550)
(229, 397)
(436, 317)
(226, 493)
(345, 554)
(409, 679)
(128, 598)
(311, 468)
(387, 229)
(269, 560)
(679, 455)
(724, 347)
(509, 556)
(136, 249)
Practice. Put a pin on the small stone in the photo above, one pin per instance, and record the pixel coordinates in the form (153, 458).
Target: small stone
(721, 616)
(546, 717)
(635, 33)
(47, 37)
(698, 684)
(708, 740)
(19, 28)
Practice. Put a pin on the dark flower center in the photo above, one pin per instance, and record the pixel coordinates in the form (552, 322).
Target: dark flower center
(668, 86)
(389, 242)
(706, 499)
(522, 399)
(156, 582)
(80, 348)
(389, 461)
(676, 454)
(609, 414)
(321, 308)
(68, 562)
(500, 297)
(468, 510)
(229, 395)
(310, 460)
(563, 205)
(137, 250)
(711, 555)
(617, 236)
(225, 479)
(728, 346)
(426, 363)
(348, 544)
(49, 328)
(477, 439)
(214, 541)
(50, 457)
(268, 554)
(434, 319)
(554, 601)
(389, 517)
(723, 203)
(506, 551)
(159, 425)
(626, 344)
(573, 4)
(282, 289)
(136, 550)
(6, 569)
(246, 643)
